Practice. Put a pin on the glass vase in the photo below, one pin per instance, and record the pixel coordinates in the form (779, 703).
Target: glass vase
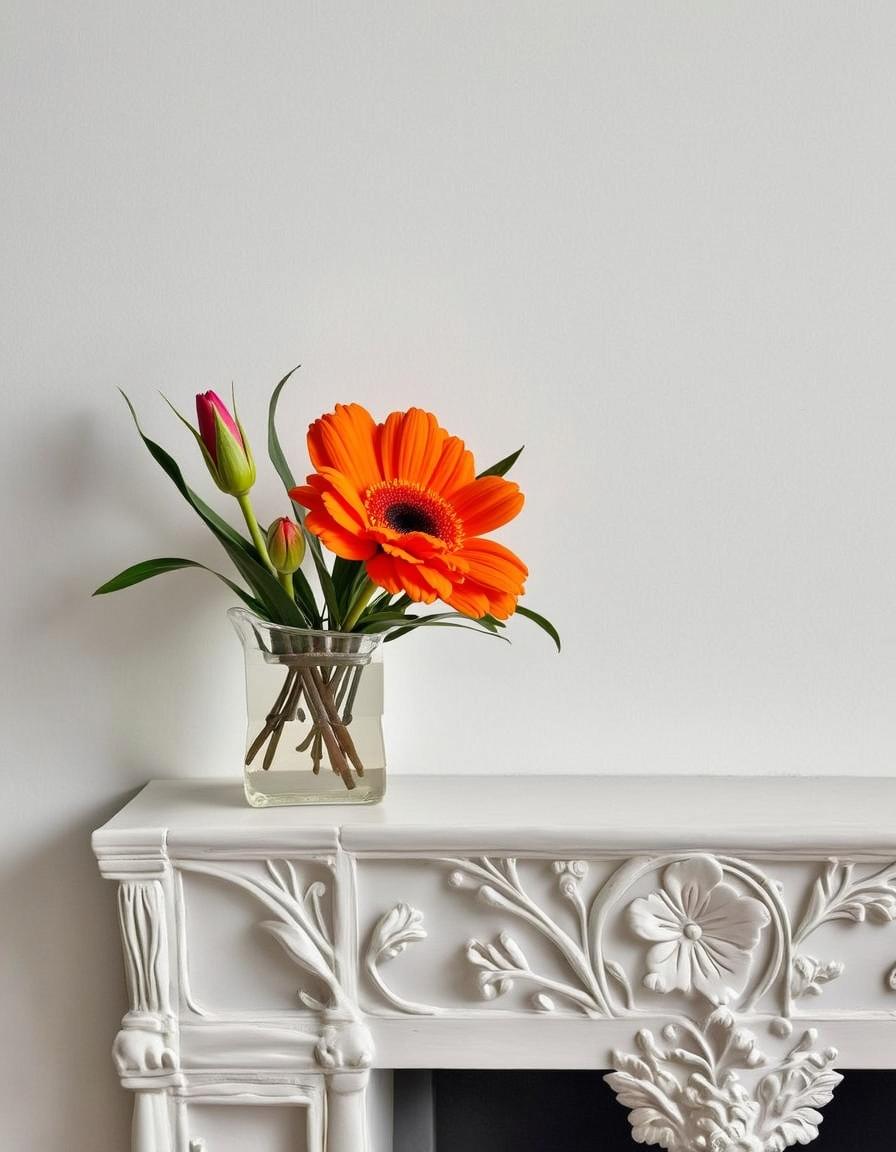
(315, 714)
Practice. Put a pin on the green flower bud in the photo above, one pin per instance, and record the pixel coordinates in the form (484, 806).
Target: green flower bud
(224, 446)
(286, 545)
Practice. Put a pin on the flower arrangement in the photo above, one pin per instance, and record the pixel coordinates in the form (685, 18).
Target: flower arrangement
(400, 506)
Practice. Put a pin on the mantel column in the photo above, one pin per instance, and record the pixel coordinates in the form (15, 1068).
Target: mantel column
(145, 1050)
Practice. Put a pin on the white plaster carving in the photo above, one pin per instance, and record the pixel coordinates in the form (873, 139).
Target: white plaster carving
(300, 927)
(809, 975)
(839, 895)
(497, 884)
(394, 931)
(142, 1052)
(344, 1045)
(704, 1086)
(691, 1096)
(141, 916)
(702, 930)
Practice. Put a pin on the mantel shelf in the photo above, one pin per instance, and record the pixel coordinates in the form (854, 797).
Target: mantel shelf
(768, 813)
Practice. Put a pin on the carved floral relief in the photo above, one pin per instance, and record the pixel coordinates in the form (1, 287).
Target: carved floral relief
(703, 933)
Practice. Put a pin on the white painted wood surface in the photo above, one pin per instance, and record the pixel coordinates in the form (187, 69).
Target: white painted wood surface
(723, 943)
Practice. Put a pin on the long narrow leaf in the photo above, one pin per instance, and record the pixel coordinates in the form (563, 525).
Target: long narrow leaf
(275, 450)
(306, 598)
(278, 605)
(146, 569)
(170, 467)
(541, 621)
(383, 622)
(503, 466)
(278, 459)
(442, 624)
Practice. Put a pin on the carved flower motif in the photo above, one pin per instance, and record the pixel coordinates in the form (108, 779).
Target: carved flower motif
(703, 931)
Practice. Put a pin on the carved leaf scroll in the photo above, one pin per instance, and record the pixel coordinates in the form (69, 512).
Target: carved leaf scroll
(497, 884)
(690, 1097)
(300, 927)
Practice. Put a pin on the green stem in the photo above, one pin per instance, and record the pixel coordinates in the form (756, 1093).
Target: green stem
(255, 532)
(285, 579)
(361, 602)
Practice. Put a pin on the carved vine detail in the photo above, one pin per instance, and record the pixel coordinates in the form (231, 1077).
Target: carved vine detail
(299, 925)
(689, 1097)
(838, 895)
(393, 932)
(497, 884)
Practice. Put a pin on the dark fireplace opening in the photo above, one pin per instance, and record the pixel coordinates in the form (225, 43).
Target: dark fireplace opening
(574, 1111)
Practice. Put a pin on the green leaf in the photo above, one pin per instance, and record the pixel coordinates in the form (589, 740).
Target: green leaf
(347, 575)
(389, 619)
(145, 570)
(428, 622)
(275, 450)
(503, 466)
(278, 459)
(306, 598)
(541, 621)
(278, 606)
(170, 467)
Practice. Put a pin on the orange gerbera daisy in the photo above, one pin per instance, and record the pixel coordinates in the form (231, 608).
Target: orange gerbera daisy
(403, 497)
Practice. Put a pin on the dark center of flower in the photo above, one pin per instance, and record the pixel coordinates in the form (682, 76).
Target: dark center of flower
(407, 507)
(405, 517)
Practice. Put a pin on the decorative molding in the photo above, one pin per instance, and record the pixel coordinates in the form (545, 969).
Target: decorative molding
(344, 1045)
(299, 927)
(497, 884)
(690, 1097)
(144, 1051)
(141, 917)
(393, 932)
(142, 1055)
(808, 975)
(702, 931)
(654, 941)
(837, 895)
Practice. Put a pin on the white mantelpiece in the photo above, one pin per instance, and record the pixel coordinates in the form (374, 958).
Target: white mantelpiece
(722, 943)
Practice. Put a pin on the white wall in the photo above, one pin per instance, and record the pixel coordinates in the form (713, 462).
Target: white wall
(654, 241)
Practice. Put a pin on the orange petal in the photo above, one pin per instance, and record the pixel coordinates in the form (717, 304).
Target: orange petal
(486, 504)
(494, 566)
(344, 516)
(305, 495)
(397, 576)
(344, 440)
(470, 601)
(349, 545)
(410, 446)
(454, 469)
(346, 489)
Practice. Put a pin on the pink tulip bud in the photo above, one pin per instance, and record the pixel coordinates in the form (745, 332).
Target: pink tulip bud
(224, 445)
(286, 545)
(207, 403)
